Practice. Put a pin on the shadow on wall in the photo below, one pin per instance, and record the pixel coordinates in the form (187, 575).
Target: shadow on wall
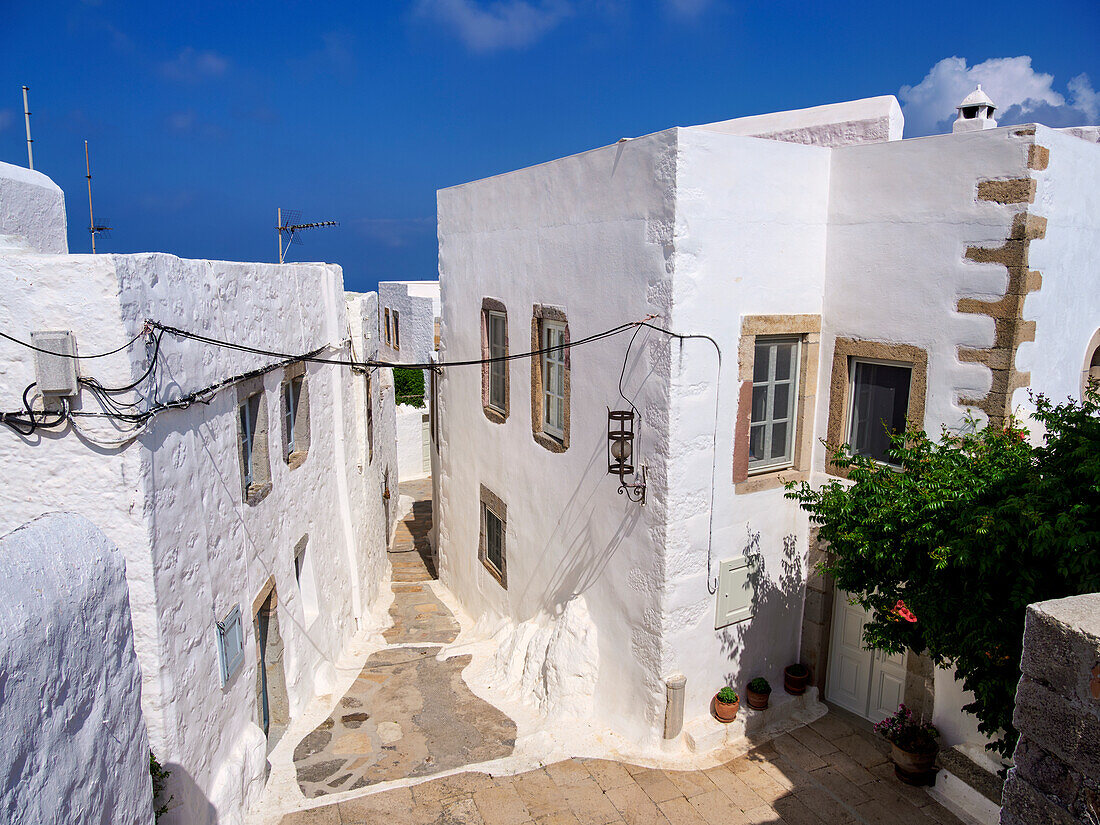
(766, 643)
(188, 805)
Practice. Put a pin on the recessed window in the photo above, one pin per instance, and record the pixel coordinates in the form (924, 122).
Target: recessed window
(370, 418)
(307, 580)
(491, 549)
(774, 403)
(396, 329)
(878, 406)
(553, 379)
(386, 325)
(494, 374)
(295, 408)
(252, 434)
(230, 643)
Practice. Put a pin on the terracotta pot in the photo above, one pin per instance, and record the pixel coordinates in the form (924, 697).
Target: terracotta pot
(795, 685)
(757, 701)
(913, 768)
(725, 711)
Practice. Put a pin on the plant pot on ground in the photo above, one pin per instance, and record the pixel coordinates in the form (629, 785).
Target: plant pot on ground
(913, 746)
(795, 679)
(757, 693)
(726, 703)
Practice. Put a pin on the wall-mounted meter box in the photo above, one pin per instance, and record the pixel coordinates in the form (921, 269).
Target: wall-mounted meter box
(55, 373)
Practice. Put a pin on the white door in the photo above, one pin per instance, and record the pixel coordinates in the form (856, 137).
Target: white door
(426, 442)
(870, 683)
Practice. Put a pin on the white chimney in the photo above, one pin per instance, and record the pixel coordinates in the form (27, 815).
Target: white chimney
(975, 113)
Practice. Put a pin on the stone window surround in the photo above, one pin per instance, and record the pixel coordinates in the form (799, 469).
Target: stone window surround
(808, 328)
(844, 350)
(540, 313)
(395, 316)
(492, 413)
(302, 425)
(257, 491)
(386, 328)
(491, 501)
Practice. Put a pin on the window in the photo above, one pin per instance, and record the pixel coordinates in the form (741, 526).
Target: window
(230, 643)
(878, 406)
(553, 374)
(550, 378)
(491, 548)
(249, 411)
(252, 438)
(307, 580)
(774, 400)
(295, 403)
(494, 376)
(386, 325)
(396, 330)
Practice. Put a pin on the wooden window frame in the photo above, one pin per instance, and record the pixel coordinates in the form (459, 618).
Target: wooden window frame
(491, 307)
(491, 503)
(541, 316)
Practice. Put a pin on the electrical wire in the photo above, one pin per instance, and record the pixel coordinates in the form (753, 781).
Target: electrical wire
(74, 357)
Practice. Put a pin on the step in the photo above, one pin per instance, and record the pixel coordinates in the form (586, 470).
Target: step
(705, 733)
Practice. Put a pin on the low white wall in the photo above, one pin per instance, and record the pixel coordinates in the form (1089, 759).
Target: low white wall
(411, 438)
(75, 748)
(32, 211)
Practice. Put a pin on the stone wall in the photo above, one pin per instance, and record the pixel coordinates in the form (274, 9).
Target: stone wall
(1057, 775)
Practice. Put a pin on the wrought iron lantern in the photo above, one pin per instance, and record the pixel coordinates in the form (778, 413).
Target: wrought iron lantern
(620, 454)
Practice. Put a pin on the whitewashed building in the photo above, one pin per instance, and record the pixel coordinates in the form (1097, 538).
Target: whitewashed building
(253, 509)
(845, 275)
(408, 321)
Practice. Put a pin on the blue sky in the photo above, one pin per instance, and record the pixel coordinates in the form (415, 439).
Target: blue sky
(203, 117)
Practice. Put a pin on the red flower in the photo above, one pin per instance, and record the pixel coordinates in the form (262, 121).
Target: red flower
(903, 612)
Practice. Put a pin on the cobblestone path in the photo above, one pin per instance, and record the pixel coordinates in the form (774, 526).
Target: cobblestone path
(407, 713)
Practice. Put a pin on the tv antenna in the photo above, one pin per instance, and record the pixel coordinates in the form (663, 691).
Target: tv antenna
(27, 117)
(291, 228)
(92, 227)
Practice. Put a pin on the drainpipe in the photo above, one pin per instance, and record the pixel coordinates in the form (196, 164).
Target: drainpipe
(674, 704)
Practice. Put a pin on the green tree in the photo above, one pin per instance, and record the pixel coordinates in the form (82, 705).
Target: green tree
(977, 526)
(409, 386)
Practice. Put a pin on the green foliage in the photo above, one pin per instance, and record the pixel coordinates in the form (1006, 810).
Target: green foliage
(976, 527)
(160, 780)
(727, 695)
(760, 685)
(409, 386)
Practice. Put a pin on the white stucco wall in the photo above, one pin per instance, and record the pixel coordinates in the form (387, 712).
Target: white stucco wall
(75, 748)
(418, 305)
(869, 120)
(32, 211)
(411, 438)
(750, 239)
(172, 500)
(590, 234)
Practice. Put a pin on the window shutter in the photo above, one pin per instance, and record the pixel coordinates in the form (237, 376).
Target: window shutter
(736, 591)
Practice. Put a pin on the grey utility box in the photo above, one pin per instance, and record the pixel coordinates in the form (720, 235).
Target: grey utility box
(55, 374)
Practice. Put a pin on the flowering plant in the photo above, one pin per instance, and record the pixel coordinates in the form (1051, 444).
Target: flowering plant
(907, 732)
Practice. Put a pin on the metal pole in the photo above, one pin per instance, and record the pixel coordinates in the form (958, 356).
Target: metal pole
(27, 117)
(279, 232)
(91, 217)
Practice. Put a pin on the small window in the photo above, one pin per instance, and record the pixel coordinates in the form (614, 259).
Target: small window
(250, 411)
(774, 403)
(498, 348)
(970, 112)
(252, 435)
(386, 325)
(307, 580)
(230, 644)
(553, 379)
(879, 404)
(491, 549)
(396, 329)
(295, 401)
(370, 418)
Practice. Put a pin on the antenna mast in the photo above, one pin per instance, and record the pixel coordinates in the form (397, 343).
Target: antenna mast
(27, 117)
(291, 229)
(92, 228)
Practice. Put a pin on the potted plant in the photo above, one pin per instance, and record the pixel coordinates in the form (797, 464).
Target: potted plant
(726, 703)
(795, 679)
(912, 745)
(758, 692)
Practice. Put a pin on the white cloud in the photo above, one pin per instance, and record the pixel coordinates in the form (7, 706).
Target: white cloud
(1022, 95)
(501, 24)
(191, 64)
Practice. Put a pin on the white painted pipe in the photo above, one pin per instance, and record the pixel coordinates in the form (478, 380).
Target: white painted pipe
(674, 704)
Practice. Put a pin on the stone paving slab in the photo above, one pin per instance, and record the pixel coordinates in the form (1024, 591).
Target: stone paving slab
(775, 783)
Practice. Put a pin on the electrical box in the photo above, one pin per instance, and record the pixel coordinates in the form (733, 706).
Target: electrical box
(737, 581)
(55, 374)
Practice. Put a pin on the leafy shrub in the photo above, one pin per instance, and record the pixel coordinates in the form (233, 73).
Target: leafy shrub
(408, 386)
(760, 685)
(160, 780)
(948, 553)
(907, 732)
(727, 695)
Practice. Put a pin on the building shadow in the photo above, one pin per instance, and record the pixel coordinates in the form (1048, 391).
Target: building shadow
(187, 804)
